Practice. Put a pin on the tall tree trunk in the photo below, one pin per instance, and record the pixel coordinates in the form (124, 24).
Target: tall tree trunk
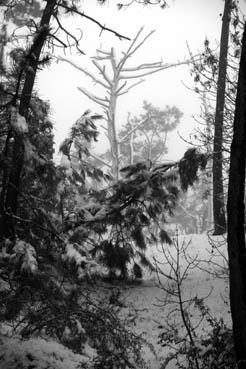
(9, 208)
(114, 144)
(3, 40)
(218, 193)
(236, 217)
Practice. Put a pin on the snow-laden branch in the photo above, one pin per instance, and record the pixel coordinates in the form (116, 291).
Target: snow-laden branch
(143, 66)
(131, 50)
(158, 69)
(142, 42)
(134, 40)
(94, 98)
(101, 160)
(130, 87)
(86, 72)
(102, 70)
(105, 55)
(121, 87)
(116, 71)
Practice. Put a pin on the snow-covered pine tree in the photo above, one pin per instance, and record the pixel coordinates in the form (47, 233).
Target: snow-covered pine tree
(122, 216)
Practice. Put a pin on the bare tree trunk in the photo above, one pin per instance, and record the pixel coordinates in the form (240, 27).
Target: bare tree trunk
(2, 43)
(218, 193)
(114, 146)
(117, 83)
(236, 217)
(131, 142)
(9, 208)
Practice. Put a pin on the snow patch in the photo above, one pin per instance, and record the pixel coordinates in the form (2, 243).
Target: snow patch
(18, 122)
(73, 255)
(26, 253)
(38, 354)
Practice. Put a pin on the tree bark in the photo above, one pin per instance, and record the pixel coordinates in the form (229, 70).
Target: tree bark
(218, 193)
(236, 217)
(10, 206)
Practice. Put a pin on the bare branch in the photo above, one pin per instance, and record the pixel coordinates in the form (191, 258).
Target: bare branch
(102, 71)
(103, 52)
(143, 66)
(94, 98)
(68, 34)
(167, 66)
(101, 160)
(130, 87)
(103, 27)
(131, 51)
(121, 87)
(134, 41)
(86, 72)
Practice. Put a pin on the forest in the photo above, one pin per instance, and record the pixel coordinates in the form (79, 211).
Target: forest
(114, 252)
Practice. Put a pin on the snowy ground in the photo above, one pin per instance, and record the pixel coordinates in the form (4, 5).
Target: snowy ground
(203, 281)
(149, 309)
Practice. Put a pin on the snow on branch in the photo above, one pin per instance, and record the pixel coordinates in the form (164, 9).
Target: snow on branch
(94, 98)
(143, 66)
(158, 69)
(86, 72)
(132, 50)
(129, 88)
(102, 71)
(101, 160)
(121, 87)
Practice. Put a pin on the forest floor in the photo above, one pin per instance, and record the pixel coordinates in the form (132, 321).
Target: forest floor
(206, 280)
(147, 307)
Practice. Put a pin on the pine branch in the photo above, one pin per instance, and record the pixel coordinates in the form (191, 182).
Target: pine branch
(103, 27)
(68, 34)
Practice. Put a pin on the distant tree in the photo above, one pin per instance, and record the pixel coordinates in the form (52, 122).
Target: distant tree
(191, 212)
(145, 137)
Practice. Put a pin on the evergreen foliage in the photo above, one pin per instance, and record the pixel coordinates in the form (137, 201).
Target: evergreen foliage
(56, 230)
(189, 165)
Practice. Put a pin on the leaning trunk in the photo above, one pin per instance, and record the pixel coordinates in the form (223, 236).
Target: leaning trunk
(236, 217)
(10, 205)
(218, 193)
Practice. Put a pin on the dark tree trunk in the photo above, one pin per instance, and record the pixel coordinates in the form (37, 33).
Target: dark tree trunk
(236, 217)
(12, 188)
(218, 193)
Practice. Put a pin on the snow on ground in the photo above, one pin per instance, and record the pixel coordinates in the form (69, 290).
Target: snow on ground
(38, 354)
(149, 310)
(152, 314)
